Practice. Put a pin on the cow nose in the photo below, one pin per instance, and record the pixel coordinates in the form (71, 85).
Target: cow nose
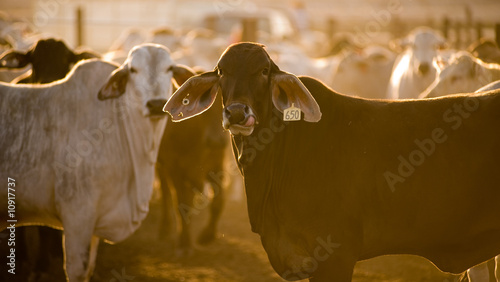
(424, 68)
(236, 113)
(155, 106)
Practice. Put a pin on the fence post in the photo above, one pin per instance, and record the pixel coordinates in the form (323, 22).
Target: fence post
(446, 27)
(79, 26)
(497, 34)
(249, 33)
(479, 31)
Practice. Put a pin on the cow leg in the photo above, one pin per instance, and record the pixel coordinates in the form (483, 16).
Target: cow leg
(479, 273)
(187, 209)
(168, 223)
(334, 269)
(79, 248)
(497, 268)
(94, 245)
(46, 251)
(209, 232)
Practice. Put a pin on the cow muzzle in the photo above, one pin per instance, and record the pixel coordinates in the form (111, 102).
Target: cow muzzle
(155, 107)
(424, 68)
(239, 119)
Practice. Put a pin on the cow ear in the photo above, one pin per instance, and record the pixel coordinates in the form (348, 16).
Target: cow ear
(194, 97)
(181, 73)
(84, 55)
(295, 94)
(400, 44)
(14, 59)
(116, 85)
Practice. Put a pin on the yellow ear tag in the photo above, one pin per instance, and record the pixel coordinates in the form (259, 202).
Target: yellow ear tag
(291, 114)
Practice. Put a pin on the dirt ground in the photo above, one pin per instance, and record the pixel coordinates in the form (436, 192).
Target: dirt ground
(237, 255)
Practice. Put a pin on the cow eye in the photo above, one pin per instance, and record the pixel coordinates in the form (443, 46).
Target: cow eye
(133, 70)
(265, 71)
(219, 72)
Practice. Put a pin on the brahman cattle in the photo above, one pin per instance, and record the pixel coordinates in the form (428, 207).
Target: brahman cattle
(80, 163)
(415, 68)
(191, 154)
(51, 60)
(354, 178)
(486, 50)
(463, 74)
(364, 73)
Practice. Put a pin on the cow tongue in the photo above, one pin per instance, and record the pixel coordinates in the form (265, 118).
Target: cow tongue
(250, 121)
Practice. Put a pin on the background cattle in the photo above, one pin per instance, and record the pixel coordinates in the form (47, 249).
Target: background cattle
(365, 73)
(485, 50)
(415, 68)
(463, 74)
(192, 154)
(50, 60)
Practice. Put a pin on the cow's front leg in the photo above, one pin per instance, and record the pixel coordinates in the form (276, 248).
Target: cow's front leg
(497, 268)
(210, 231)
(80, 250)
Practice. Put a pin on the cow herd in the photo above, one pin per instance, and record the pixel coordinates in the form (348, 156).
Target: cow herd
(347, 157)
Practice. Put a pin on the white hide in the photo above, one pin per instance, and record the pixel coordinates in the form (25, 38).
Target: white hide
(81, 164)
(463, 74)
(415, 68)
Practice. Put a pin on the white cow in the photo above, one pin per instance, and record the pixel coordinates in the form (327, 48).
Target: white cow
(414, 69)
(293, 59)
(81, 164)
(366, 73)
(201, 49)
(463, 74)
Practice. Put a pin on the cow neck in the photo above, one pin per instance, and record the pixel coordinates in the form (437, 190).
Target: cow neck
(143, 138)
(495, 73)
(255, 154)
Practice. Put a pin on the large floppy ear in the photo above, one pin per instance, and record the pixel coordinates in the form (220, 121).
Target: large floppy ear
(84, 55)
(14, 59)
(295, 94)
(116, 85)
(400, 44)
(181, 73)
(194, 97)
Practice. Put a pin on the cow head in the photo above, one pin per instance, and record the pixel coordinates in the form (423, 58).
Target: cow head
(423, 45)
(463, 74)
(250, 84)
(147, 73)
(51, 60)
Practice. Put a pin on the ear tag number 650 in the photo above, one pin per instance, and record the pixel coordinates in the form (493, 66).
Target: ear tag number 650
(291, 114)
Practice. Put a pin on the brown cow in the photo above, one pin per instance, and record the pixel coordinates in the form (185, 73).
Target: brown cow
(365, 178)
(191, 154)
